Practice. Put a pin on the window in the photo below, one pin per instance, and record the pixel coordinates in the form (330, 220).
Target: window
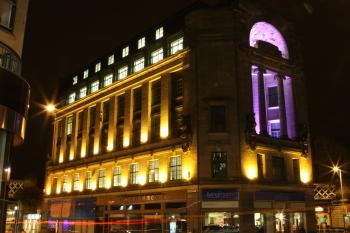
(159, 33)
(69, 125)
(141, 43)
(86, 74)
(260, 165)
(110, 60)
(71, 98)
(278, 168)
(296, 170)
(117, 174)
(139, 64)
(108, 80)
(217, 118)
(134, 173)
(54, 184)
(65, 186)
(97, 67)
(88, 180)
(101, 178)
(157, 56)
(125, 51)
(175, 168)
(82, 92)
(75, 80)
(94, 86)
(273, 97)
(76, 182)
(7, 13)
(122, 72)
(214, 221)
(275, 129)
(219, 164)
(176, 45)
(153, 171)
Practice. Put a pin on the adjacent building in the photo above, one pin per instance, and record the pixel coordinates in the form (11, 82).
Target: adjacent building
(14, 90)
(199, 123)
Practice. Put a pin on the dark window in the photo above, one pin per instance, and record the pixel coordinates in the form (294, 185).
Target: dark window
(156, 93)
(91, 144)
(117, 207)
(217, 118)
(155, 127)
(155, 206)
(278, 172)
(68, 145)
(136, 132)
(120, 121)
(104, 139)
(177, 105)
(219, 164)
(133, 207)
(7, 13)
(260, 165)
(296, 170)
(121, 106)
(273, 96)
(175, 205)
(80, 123)
(54, 185)
(120, 133)
(137, 99)
(105, 112)
(59, 139)
(92, 117)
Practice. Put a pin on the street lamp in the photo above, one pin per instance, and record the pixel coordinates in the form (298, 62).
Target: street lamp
(337, 170)
(50, 108)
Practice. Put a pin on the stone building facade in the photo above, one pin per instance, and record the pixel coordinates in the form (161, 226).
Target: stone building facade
(199, 124)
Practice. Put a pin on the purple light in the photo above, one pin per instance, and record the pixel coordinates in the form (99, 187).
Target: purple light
(266, 32)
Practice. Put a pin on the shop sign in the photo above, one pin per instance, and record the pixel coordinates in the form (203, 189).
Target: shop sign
(219, 195)
(145, 198)
(279, 196)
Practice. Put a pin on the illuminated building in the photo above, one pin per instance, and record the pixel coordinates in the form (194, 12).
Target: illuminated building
(161, 132)
(14, 90)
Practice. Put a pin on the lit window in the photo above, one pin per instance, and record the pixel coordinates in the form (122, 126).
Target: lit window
(71, 98)
(101, 178)
(69, 125)
(125, 51)
(65, 186)
(122, 72)
(159, 33)
(108, 80)
(217, 118)
(97, 67)
(134, 173)
(141, 43)
(117, 174)
(176, 45)
(139, 64)
(94, 86)
(88, 180)
(153, 171)
(82, 92)
(175, 168)
(75, 80)
(157, 56)
(275, 128)
(111, 60)
(76, 182)
(219, 164)
(86, 74)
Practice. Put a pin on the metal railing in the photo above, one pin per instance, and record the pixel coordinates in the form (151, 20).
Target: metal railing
(9, 60)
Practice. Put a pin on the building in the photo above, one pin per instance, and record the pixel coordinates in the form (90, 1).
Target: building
(13, 107)
(199, 123)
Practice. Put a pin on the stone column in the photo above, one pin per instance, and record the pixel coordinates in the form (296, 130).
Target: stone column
(98, 127)
(282, 106)
(128, 118)
(84, 136)
(269, 222)
(164, 106)
(145, 112)
(262, 104)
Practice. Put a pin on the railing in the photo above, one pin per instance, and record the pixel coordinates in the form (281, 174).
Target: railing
(9, 60)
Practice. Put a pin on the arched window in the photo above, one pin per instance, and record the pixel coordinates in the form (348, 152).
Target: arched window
(272, 92)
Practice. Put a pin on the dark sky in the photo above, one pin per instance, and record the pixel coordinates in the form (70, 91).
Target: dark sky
(64, 35)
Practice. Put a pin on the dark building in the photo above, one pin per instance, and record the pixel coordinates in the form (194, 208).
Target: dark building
(197, 124)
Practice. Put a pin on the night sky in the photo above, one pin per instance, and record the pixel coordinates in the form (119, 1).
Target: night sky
(64, 35)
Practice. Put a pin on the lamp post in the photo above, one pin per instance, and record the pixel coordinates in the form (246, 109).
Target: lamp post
(337, 170)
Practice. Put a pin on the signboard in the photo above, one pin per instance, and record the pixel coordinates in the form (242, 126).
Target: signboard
(220, 195)
(279, 196)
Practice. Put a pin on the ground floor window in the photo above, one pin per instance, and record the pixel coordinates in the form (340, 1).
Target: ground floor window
(259, 221)
(217, 221)
(176, 223)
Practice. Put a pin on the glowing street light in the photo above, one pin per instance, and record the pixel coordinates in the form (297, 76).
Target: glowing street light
(50, 108)
(337, 170)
